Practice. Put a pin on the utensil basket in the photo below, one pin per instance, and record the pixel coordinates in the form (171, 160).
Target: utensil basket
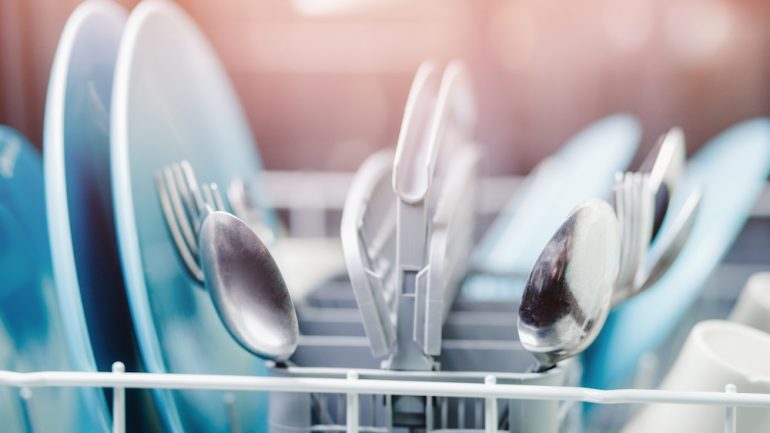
(480, 342)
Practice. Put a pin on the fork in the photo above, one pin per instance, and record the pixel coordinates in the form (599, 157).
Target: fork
(185, 204)
(633, 203)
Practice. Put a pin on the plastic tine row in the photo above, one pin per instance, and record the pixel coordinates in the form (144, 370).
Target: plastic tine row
(407, 247)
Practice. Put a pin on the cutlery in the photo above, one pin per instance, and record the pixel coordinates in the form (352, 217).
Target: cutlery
(582, 169)
(666, 249)
(256, 216)
(665, 164)
(652, 263)
(730, 171)
(642, 266)
(567, 296)
(239, 273)
(634, 209)
(185, 205)
(247, 288)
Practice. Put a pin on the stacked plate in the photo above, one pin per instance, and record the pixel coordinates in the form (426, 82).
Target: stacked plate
(128, 94)
(35, 319)
(172, 101)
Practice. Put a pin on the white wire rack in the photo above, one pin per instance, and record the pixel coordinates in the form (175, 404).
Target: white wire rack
(490, 391)
(308, 204)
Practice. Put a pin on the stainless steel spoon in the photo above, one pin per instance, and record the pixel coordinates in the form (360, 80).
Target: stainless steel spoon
(665, 164)
(567, 296)
(249, 292)
(247, 287)
(667, 249)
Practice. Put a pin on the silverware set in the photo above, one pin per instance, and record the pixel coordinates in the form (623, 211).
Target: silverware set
(407, 233)
(221, 252)
(185, 204)
(642, 201)
(601, 257)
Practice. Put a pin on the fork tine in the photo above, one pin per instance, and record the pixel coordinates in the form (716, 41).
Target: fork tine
(641, 237)
(185, 194)
(620, 196)
(628, 197)
(184, 189)
(218, 200)
(208, 204)
(633, 251)
(182, 217)
(646, 213)
(192, 183)
(190, 264)
(633, 226)
(649, 199)
(628, 217)
(208, 197)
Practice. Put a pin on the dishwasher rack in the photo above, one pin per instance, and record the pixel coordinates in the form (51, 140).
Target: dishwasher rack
(311, 209)
(353, 386)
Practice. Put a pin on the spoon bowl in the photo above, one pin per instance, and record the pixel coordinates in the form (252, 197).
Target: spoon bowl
(247, 288)
(567, 296)
(665, 164)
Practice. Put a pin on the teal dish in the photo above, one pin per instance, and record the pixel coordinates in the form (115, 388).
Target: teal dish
(33, 335)
(76, 161)
(732, 170)
(584, 168)
(173, 101)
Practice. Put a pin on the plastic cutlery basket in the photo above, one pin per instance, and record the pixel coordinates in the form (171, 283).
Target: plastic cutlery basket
(479, 343)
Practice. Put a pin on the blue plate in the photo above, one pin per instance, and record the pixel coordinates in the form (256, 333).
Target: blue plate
(81, 223)
(172, 101)
(584, 168)
(732, 170)
(30, 319)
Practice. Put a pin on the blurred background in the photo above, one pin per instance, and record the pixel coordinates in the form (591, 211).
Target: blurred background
(324, 82)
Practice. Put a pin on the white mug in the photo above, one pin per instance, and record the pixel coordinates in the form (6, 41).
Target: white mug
(753, 306)
(716, 353)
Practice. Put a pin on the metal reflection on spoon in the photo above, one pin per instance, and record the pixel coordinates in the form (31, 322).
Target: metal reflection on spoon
(247, 287)
(567, 296)
(665, 164)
